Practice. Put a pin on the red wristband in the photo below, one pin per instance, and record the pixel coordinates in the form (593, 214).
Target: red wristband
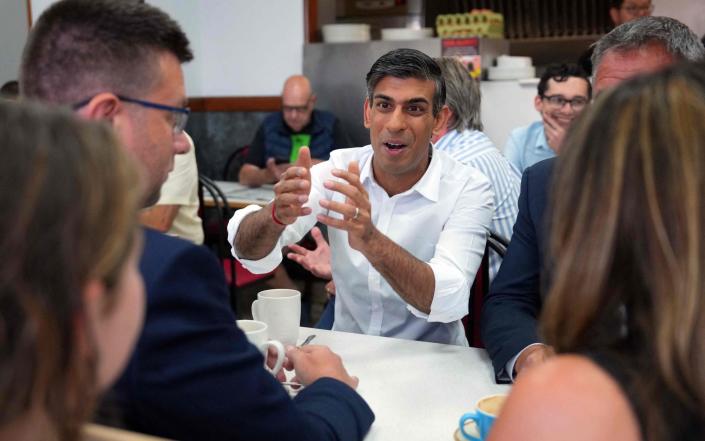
(274, 218)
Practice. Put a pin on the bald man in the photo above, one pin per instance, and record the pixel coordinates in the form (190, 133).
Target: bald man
(282, 134)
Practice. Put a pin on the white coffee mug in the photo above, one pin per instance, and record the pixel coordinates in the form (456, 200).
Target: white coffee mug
(280, 309)
(256, 333)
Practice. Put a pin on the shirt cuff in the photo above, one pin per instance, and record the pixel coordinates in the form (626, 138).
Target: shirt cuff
(510, 364)
(451, 296)
(261, 266)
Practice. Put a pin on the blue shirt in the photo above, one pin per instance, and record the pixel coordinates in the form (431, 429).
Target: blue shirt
(474, 148)
(527, 145)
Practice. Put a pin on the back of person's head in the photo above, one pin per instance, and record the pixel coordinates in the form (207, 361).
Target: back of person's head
(10, 90)
(462, 95)
(78, 48)
(408, 63)
(627, 237)
(560, 73)
(68, 219)
(675, 37)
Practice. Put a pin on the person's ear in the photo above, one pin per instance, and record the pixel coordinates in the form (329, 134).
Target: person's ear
(441, 120)
(85, 323)
(538, 104)
(93, 296)
(312, 100)
(366, 111)
(103, 106)
(614, 15)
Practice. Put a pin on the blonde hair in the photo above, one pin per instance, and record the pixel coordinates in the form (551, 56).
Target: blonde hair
(69, 198)
(627, 237)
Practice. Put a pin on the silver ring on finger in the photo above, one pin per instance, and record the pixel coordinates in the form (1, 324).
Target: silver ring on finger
(357, 213)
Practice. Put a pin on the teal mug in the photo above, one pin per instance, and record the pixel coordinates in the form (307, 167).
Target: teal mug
(484, 415)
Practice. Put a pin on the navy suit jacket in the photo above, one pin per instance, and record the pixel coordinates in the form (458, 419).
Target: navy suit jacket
(194, 375)
(511, 308)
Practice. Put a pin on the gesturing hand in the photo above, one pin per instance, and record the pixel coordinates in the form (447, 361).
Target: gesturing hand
(355, 210)
(292, 190)
(555, 133)
(316, 261)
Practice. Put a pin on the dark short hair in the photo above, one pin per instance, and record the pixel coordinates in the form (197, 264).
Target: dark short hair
(560, 73)
(674, 36)
(408, 63)
(78, 48)
(616, 4)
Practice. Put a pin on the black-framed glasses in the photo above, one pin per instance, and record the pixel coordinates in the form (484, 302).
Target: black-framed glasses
(179, 114)
(578, 103)
(635, 10)
(296, 109)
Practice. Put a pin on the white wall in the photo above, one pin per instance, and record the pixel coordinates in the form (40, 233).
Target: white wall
(690, 12)
(241, 47)
(13, 32)
(507, 105)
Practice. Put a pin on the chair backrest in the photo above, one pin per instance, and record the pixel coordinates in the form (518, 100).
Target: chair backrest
(223, 214)
(480, 288)
(234, 162)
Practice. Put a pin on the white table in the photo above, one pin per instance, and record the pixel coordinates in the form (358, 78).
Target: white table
(417, 390)
(240, 196)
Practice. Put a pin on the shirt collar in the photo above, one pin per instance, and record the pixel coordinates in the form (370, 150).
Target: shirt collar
(429, 184)
(541, 142)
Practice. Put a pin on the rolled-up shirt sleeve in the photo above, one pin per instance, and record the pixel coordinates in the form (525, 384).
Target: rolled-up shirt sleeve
(459, 251)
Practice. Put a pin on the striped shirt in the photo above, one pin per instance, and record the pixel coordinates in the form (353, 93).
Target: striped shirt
(474, 148)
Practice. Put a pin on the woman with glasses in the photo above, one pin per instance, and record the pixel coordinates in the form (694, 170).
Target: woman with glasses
(626, 308)
(71, 296)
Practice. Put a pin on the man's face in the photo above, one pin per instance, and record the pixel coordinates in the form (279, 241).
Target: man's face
(630, 10)
(563, 100)
(297, 106)
(401, 124)
(148, 133)
(616, 67)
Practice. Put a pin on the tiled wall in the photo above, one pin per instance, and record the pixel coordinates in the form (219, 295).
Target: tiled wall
(218, 134)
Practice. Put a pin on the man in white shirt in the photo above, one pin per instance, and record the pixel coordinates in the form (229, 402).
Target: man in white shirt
(463, 139)
(407, 225)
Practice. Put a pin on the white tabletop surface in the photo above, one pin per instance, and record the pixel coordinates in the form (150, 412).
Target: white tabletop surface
(239, 195)
(417, 390)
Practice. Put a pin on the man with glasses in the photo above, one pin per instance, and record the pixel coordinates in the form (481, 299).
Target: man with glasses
(622, 11)
(282, 134)
(513, 305)
(193, 374)
(563, 92)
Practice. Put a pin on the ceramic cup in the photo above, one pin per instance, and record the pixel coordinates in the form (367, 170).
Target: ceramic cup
(280, 309)
(256, 333)
(485, 412)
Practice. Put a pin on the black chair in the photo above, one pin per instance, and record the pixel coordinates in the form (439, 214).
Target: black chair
(480, 287)
(234, 163)
(215, 231)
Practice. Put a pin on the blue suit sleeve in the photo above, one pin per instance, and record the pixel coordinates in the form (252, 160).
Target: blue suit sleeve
(510, 310)
(194, 375)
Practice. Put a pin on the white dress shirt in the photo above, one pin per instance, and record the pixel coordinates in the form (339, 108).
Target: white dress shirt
(474, 148)
(442, 220)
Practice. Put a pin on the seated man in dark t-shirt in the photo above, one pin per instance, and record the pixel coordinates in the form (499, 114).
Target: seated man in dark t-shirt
(282, 134)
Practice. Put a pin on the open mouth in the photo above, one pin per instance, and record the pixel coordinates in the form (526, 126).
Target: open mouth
(394, 146)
